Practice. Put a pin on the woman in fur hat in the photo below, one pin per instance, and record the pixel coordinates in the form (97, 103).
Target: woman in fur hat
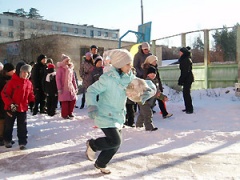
(16, 95)
(67, 87)
(109, 111)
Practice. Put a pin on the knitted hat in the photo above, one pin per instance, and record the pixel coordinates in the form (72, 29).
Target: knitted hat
(8, 67)
(1, 66)
(145, 45)
(18, 66)
(65, 57)
(51, 66)
(151, 70)
(26, 68)
(150, 59)
(119, 57)
(88, 54)
(184, 50)
(42, 56)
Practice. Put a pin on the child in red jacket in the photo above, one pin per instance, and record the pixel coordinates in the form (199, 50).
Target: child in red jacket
(16, 95)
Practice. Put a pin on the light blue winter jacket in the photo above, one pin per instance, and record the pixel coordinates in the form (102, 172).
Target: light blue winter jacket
(111, 88)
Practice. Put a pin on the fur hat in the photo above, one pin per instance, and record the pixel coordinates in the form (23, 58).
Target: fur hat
(99, 58)
(8, 67)
(151, 70)
(1, 66)
(65, 57)
(26, 68)
(145, 45)
(119, 57)
(135, 89)
(51, 66)
(18, 67)
(40, 57)
(150, 59)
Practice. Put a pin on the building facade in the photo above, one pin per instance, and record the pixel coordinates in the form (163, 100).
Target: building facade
(14, 27)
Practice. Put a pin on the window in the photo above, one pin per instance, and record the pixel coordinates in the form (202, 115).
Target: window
(54, 28)
(75, 30)
(33, 25)
(91, 33)
(115, 36)
(64, 29)
(99, 33)
(21, 26)
(10, 34)
(106, 34)
(10, 22)
(84, 31)
(0, 33)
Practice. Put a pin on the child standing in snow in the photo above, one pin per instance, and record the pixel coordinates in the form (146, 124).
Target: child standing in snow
(16, 95)
(51, 90)
(109, 112)
(145, 115)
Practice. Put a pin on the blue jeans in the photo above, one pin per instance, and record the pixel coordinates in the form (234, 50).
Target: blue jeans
(107, 145)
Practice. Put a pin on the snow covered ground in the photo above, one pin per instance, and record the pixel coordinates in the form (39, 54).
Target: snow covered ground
(203, 145)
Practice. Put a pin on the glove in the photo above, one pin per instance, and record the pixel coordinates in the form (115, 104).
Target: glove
(13, 107)
(92, 111)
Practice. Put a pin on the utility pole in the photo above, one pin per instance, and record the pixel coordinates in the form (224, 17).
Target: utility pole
(142, 11)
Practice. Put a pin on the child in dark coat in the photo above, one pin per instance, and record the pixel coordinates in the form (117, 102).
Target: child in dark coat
(51, 90)
(16, 95)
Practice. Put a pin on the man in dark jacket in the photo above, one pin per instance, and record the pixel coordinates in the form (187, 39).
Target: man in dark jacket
(38, 74)
(139, 58)
(186, 78)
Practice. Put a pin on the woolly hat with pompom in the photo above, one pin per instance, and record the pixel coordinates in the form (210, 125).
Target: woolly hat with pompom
(119, 57)
(65, 57)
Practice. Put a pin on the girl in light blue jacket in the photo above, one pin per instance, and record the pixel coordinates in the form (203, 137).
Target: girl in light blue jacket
(109, 111)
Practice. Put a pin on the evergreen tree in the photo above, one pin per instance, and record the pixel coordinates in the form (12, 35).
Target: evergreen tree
(21, 12)
(33, 13)
(225, 42)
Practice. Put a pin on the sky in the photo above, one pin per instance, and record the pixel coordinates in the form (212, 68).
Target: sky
(168, 17)
(202, 145)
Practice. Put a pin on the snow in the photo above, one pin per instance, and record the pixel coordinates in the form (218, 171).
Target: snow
(202, 145)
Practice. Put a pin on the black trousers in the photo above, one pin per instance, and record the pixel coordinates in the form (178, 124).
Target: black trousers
(107, 145)
(21, 127)
(52, 101)
(40, 98)
(187, 97)
(130, 114)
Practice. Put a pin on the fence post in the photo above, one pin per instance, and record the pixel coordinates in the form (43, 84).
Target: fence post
(238, 51)
(183, 38)
(154, 47)
(206, 56)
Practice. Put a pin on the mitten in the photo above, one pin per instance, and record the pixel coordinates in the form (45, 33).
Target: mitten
(13, 107)
(92, 111)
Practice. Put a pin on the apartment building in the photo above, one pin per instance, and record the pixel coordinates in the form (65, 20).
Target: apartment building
(13, 28)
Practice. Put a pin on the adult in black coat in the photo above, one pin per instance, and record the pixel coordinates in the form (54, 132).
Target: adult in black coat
(186, 77)
(38, 77)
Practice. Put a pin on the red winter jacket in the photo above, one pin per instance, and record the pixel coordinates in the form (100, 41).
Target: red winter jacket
(18, 91)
